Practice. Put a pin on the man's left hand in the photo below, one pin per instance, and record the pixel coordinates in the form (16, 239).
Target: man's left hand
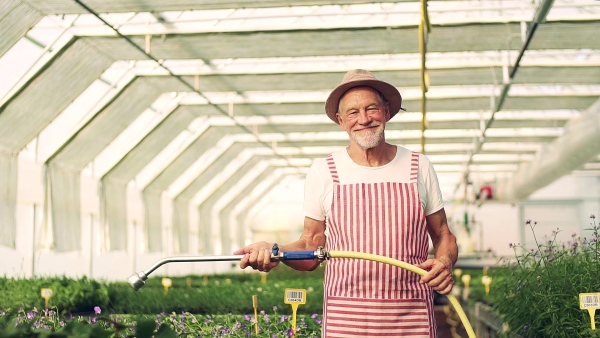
(439, 275)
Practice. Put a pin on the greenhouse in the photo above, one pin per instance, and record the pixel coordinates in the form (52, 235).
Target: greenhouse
(144, 137)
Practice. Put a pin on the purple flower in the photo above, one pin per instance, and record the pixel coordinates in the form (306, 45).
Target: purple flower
(314, 315)
(318, 321)
(97, 310)
(247, 317)
(283, 318)
(290, 332)
(274, 308)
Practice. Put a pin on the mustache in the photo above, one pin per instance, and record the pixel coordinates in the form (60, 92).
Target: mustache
(370, 125)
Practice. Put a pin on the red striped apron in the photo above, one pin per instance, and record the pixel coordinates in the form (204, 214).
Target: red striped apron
(368, 299)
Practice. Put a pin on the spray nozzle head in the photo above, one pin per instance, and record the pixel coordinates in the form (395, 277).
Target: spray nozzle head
(137, 280)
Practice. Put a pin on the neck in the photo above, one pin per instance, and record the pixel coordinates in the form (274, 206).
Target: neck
(378, 156)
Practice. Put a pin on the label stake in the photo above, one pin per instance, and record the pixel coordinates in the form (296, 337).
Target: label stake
(166, 282)
(46, 294)
(294, 297)
(255, 306)
(590, 302)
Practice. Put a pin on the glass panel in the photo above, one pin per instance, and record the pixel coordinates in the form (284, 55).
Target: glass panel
(15, 63)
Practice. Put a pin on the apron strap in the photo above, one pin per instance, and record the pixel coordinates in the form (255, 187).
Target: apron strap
(414, 167)
(333, 169)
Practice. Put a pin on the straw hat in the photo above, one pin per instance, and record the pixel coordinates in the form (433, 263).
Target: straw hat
(359, 78)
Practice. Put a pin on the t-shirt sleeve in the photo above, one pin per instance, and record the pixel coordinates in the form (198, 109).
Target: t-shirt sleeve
(429, 187)
(314, 193)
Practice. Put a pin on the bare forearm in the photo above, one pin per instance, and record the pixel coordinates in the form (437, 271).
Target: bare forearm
(445, 248)
(258, 255)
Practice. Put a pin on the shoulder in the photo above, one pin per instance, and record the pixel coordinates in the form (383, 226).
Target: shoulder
(405, 153)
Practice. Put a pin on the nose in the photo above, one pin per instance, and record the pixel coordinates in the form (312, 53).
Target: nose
(364, 117)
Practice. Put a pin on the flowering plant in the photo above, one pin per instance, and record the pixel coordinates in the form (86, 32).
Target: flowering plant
(538, 293)
(48, 323)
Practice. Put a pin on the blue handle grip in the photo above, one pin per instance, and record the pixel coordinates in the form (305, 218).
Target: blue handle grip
(298, 255)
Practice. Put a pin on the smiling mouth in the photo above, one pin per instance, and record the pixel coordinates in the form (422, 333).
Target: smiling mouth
(366, 128)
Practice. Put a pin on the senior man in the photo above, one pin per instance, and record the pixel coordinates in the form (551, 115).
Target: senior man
(378, 198)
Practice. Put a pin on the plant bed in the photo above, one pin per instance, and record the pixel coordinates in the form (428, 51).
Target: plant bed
(48, 323)
(537, 293)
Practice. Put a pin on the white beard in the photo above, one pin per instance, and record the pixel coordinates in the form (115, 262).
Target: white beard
(368, 139)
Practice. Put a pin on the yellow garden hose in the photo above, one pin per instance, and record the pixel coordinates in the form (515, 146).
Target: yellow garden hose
(409, 267)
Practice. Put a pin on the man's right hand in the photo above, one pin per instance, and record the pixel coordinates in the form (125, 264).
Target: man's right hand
(258, 256)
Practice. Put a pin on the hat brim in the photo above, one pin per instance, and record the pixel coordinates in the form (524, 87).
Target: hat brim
(389, 92)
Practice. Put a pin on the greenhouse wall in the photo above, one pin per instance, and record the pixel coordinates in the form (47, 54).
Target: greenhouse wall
(494, 225)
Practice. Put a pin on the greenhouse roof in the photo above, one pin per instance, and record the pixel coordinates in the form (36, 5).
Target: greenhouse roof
(182, 96)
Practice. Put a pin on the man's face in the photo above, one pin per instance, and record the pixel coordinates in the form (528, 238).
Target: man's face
(363, 115)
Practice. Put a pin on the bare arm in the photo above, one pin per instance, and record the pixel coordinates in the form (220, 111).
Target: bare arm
(445, 249)
(258, 255)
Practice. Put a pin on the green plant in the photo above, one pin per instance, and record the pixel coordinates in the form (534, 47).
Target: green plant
(69, 295)
(538, 293)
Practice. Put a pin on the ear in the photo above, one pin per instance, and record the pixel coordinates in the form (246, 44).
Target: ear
(339, 118)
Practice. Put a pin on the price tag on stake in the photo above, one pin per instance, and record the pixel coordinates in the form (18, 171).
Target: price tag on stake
(590, 302)
(294, 297)
(167, 282)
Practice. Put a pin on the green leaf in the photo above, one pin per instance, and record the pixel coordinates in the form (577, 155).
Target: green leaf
(145, 327)
(98, 332)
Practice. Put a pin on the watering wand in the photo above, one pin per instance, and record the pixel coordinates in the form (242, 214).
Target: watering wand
(139, 279)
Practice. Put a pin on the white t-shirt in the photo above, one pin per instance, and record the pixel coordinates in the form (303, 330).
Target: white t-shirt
(318, 188)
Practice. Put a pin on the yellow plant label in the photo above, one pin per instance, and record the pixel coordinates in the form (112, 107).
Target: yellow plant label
(255, 306)
(590, 302)
(46, 293)
(295, 296)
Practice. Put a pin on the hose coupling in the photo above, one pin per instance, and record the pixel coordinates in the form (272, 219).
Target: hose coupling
(277, 255)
